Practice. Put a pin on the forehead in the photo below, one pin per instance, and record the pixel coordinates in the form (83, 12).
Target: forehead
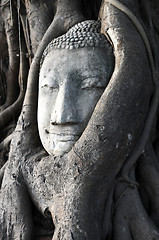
(85, 59)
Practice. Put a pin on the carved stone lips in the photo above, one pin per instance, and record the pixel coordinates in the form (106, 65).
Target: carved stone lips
(63, 137)
(65, 131)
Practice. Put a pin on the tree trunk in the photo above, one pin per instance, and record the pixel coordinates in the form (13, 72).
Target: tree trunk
(106, 186)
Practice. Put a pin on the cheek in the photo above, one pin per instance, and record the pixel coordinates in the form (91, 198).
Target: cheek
(44, 113)
(87, 101)
(46, 103)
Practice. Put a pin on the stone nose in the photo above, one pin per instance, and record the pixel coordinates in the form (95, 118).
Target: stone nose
(64, 111)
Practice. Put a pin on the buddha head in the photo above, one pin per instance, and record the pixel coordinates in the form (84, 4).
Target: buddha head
(75, 70)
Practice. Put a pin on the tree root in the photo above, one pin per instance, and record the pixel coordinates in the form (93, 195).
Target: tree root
(47, 182)
(15, 217)
(2, 170)
(148, 177)
(11, 28)
(13, 111)
(130, 218)
(4, 149)
(5, 143)
(37, 27)
(3, 55)
(155, 100)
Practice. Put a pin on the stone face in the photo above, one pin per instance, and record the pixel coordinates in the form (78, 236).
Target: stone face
(71, 83)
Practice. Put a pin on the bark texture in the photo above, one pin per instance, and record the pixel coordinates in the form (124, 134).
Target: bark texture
(106, 187)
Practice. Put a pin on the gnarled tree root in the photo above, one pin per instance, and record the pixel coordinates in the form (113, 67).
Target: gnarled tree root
(15, 217)
(148, 177)
(12, 35)
(131, 221)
